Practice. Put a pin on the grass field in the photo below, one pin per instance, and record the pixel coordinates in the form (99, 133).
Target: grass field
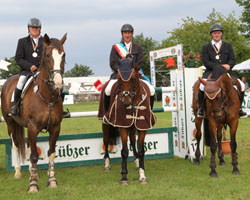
(172, 178)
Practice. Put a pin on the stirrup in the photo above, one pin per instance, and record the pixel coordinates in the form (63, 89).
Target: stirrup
(242, 114)
(66, 114)
(200, 114)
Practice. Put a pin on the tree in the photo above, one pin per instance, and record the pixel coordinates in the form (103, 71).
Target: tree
(245, 18)
(147, 44)
(79, 71)
(194, 34)
(13, 69)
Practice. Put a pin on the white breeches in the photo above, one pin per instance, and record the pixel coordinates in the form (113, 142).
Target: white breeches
(241, 83)
(113, 81)
(21, 82)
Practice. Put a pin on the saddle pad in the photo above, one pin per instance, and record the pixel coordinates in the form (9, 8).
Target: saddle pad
(25, 87)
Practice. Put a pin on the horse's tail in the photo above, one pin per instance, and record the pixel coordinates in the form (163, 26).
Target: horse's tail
(206, 132)
(18, 136)
(114, 134)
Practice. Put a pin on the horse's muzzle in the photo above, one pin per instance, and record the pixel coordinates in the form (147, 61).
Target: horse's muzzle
(58, 81)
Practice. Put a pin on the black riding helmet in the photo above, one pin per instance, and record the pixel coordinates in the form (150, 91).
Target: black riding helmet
(127, 27)
(34, 22)
(216, 27)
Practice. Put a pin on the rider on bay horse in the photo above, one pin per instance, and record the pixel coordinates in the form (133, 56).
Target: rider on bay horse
(218, 57)
(127, 49)
(28, 57)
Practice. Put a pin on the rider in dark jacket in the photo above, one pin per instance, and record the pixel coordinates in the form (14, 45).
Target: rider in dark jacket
(218, 57)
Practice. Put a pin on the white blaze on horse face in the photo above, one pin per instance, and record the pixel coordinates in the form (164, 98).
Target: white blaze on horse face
(57, 63)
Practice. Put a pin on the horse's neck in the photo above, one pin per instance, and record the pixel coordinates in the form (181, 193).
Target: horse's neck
(229, 88)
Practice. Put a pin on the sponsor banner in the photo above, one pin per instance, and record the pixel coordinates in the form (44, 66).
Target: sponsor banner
(173, 102)
(152, 69)
(191, 76)
(246, 103)
(181, 114)
(72, 150)
(68, 99)
(171, 51)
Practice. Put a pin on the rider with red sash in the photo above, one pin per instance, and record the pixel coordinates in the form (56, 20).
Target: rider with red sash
(120, 52)
(218, 58)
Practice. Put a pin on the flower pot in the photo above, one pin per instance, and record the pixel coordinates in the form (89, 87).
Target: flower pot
(190, 63)
(225, 145)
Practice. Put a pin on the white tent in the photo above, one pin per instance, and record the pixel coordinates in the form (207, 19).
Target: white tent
(242, 66)
(4, 64)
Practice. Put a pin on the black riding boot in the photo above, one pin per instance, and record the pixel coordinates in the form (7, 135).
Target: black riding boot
(242, 114)
(152, 99)
(14, 109)
(200, 112)
(106, 102)
(65, 113)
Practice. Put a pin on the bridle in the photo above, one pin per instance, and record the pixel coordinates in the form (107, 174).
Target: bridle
(131, 92)
(50, 84)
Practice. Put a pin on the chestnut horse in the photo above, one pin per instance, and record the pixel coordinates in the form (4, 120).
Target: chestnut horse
(40, 108)
(129, 95)
(222, 107)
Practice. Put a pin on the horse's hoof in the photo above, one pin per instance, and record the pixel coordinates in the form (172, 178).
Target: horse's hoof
(124, 182)
(107, 169)
(213, 175)
(17, 176)
(143, 181)
(236, 172)
(196, 162)
(52, 184)
(33, 188)
(222, 163)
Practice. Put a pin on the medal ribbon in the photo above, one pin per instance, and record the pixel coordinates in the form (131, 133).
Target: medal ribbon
(34, 44)
(215, 48)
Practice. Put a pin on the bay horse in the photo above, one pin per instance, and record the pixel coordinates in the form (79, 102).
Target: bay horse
(222, 107)
(40, 108)
(128, 97)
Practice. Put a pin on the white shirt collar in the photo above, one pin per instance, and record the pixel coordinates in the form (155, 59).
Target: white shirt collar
(216, 43)
(128, 45)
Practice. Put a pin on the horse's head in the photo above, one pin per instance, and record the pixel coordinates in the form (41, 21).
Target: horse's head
(54, 60)
(127, 79)
(214, 96)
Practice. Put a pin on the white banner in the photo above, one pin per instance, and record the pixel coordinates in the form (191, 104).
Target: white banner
(171, 51)
(93, 149)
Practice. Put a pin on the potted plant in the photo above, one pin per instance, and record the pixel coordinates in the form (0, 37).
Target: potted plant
(191, 60)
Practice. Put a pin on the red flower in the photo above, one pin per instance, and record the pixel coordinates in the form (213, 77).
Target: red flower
(197, 56)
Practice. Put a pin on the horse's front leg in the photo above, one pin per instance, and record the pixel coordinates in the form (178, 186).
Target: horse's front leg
(213, 147)
(105, 130)
(132, 137)
(219, 138)
(32, 135)
(141, 152)
(54, 133)
(124, 154)
(198, 123)
(233, 145)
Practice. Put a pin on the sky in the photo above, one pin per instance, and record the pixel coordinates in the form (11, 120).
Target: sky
(93, 26)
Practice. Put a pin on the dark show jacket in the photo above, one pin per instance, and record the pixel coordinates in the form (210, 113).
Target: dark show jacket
(24, 53)
(226, 56)
(114, 56)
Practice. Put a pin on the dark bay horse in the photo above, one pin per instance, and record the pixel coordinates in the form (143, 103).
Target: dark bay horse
(40, 108)
(131, 101)
(222, 106)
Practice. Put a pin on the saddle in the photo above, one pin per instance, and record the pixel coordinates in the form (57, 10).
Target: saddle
(26, 86)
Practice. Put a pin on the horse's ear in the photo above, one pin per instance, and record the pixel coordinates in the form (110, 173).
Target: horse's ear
(46, 39)
(202, 81)
(136, 68)
(63, 39)
(218, 82)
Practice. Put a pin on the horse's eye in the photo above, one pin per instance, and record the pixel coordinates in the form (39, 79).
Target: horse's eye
(47, 55)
